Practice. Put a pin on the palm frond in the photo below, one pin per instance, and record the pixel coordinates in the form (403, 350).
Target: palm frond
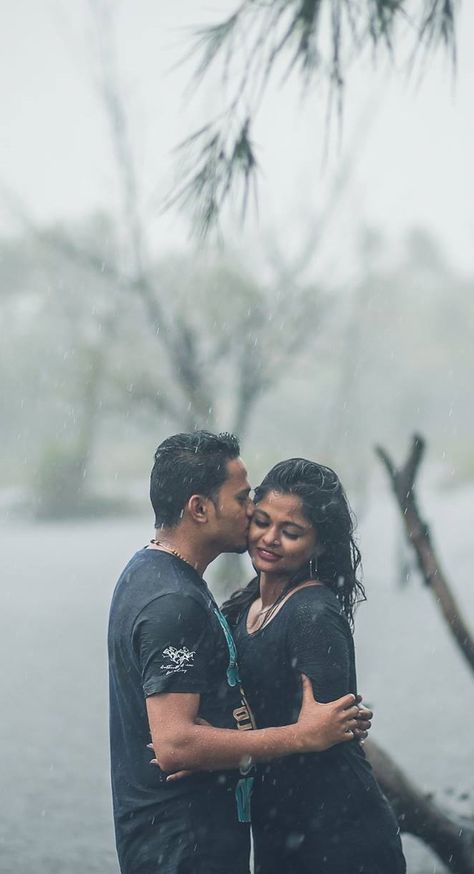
(438, 22)
(318, 39)
(214, 165)
(211, 40)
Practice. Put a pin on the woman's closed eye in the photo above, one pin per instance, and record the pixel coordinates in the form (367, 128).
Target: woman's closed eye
(261, 523)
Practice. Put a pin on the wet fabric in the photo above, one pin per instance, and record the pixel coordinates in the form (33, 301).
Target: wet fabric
(165, 636)
(320, 813)
(192, 835)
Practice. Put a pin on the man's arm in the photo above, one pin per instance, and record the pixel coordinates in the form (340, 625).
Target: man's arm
(181, 743)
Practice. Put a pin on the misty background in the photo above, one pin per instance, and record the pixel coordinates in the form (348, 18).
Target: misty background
(338, 316)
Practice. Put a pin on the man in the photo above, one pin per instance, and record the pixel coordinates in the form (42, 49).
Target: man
(172, 665)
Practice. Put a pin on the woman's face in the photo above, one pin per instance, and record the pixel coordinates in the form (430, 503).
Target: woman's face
(281, 540)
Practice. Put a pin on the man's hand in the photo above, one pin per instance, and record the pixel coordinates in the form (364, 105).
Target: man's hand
(363, 720)
(182, 744)
(177, 775)
(321, 726)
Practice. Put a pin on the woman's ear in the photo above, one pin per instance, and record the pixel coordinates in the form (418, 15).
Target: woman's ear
(319, 549)
(197, 507)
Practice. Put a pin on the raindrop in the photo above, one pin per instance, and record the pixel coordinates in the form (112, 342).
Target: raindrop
(294, 840)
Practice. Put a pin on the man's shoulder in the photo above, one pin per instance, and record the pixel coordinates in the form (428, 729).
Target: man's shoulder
(149, 566)
(152, 574)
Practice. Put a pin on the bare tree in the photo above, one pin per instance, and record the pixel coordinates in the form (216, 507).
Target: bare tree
(201, 319)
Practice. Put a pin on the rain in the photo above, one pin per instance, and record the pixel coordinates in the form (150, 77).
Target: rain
(318, 305)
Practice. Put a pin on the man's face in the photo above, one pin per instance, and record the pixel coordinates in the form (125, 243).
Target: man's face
(233, 509)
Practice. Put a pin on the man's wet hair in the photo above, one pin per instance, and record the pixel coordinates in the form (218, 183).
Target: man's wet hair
(186, 465)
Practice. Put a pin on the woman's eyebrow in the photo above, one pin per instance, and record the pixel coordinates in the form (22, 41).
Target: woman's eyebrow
(286, 522)
(295, 525)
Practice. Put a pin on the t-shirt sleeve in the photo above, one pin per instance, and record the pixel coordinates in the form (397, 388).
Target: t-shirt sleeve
(172, 639)
(320, 646)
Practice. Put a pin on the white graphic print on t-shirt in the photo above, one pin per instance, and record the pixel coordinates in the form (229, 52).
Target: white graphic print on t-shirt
(179, 660)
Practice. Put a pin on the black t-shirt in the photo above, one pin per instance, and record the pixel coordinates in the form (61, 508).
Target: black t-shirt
(308, 635)
(319, 811)
(164, 636)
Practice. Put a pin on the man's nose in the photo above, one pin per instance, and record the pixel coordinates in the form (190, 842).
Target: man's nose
(250, 508)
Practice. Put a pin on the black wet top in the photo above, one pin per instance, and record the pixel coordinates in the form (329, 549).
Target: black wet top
(164, 636)
(331, 795)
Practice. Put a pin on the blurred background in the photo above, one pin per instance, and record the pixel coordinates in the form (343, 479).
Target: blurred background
(338, 316)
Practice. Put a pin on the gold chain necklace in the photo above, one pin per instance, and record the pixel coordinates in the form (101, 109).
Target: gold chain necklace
(168, 548)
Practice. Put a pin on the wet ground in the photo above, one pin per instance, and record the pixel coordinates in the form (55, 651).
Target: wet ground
(57, 582)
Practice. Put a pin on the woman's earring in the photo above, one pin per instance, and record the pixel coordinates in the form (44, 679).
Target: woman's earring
(313, 567)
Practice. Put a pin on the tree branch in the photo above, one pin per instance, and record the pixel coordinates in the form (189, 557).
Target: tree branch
(403, 481)
(450, 836)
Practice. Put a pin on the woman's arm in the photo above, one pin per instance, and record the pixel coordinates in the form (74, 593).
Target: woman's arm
(320, 644)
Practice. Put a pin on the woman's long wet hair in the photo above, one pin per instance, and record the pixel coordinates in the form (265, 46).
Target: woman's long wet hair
(325, 505)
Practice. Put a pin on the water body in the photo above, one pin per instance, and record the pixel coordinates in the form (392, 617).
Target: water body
(57, 582)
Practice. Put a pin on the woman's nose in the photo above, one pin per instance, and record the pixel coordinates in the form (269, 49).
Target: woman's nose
(271, 537)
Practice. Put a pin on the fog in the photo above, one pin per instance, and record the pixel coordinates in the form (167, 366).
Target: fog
(338, 316)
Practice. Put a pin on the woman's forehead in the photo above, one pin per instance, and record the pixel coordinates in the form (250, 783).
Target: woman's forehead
(278, 504)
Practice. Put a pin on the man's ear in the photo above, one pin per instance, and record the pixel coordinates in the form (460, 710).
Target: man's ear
(198, 508)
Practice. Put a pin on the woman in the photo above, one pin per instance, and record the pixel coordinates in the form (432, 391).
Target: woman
(319, 813)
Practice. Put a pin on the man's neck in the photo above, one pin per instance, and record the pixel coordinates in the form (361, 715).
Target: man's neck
(181, 543)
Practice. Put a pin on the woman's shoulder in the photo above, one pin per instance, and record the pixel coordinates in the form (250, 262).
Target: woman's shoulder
(314, 600)
(314, 593)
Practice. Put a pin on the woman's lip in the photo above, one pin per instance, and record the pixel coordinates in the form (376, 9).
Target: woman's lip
(267, 556)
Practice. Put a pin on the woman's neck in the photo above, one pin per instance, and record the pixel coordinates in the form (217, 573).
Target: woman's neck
(271, 587)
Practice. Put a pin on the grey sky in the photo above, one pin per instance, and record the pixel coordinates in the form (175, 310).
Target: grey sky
(414, 166)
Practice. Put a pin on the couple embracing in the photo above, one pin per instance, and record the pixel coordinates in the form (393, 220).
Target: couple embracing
(252, 711)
